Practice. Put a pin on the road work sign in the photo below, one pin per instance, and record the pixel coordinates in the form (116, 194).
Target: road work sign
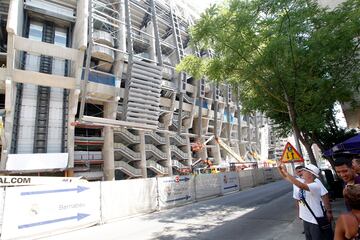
(290, 154)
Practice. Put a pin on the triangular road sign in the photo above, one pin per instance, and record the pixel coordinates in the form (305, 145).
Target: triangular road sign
(290, 154)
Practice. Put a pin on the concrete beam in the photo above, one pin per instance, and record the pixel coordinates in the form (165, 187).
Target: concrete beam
(116, 123)
(43, 79)
(32, 46)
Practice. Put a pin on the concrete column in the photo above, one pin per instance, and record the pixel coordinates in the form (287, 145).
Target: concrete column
(108, 147)
(80, 34)
(228, 114)
(216, 153)
(239, 126)
(121, 45)
(15, 18)
(204, 152)
(73, 103)
(152, 49)
(221, 108)
(156, 33)
(188, 148)
(196, 128)
(168, 155)
(10, 95)
(256, 130)
(122, 28)
(143, 154)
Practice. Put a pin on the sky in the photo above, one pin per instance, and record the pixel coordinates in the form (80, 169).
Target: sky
(340, 116)
(202, 4)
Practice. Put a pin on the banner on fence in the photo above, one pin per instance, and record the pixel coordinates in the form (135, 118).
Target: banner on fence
(6, 181)
(176, 190)
(269, 174)
(229, 182)
(33, 211)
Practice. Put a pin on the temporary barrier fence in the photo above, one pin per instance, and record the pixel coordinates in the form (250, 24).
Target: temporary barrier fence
(246, 179)
(207, 185)
(229, 182)
(175, 191)
(121, 199)
(36, 211)
(2, 205)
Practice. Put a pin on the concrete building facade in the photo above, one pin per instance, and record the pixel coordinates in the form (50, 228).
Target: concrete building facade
(89, 88)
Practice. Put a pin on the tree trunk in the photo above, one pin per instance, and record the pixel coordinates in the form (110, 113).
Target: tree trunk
(292, 117)
(309, 151)
(297, 132)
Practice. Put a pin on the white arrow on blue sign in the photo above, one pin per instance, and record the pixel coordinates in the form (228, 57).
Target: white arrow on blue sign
(77, 189)
(78, 217)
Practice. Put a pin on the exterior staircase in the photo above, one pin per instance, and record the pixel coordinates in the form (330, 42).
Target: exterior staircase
(128, 169)
(126, 152)
(154, 151)
(178, 139)
(176, 151)
(188, 99)
(126, 135)
(155, 138)
(151, 164)
(177, 164)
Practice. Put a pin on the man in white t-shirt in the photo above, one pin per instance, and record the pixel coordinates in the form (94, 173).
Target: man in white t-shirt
(325, 200)
(310, 191)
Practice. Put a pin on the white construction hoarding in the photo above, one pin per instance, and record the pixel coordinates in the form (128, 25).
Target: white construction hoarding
(207, 185)
(2, 200)
(34, 211)
(229, 182)
(246, 179)
(175, 191)
(129, 197)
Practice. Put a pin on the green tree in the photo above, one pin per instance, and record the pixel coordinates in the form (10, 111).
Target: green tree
(290, 59)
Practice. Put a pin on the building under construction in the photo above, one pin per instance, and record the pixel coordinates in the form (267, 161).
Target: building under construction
(89, 88)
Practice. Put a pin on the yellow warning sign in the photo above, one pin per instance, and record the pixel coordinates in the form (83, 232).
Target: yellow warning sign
(290, 154)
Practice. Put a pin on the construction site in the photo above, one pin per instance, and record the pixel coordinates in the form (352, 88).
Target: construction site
(89, 88)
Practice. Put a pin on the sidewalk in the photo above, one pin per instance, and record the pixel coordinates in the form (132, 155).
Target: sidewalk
(295, 229)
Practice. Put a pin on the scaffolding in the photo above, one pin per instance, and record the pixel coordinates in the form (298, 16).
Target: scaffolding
(131, 114)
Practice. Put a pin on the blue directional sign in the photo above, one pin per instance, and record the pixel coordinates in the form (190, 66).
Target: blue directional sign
(78, 217)
(233, 186)
(185, 179)
(179, 199)
(77, 189)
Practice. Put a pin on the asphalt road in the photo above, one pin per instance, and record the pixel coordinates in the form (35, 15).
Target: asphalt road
(264, 212)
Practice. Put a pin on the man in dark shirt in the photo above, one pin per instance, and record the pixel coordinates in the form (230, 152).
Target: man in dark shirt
(344, 170)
